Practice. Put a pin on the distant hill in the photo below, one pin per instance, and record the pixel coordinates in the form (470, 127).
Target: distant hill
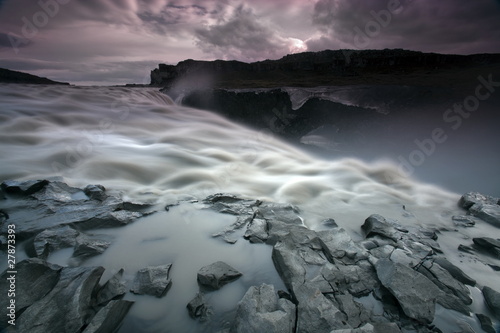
(330, 68)
(8, 76)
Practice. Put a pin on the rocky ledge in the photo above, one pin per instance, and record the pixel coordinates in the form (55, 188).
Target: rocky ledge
(393, 280)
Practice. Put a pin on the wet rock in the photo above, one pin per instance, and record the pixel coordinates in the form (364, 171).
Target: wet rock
(230, 204)
(54, 239)
(199, 309)
(489, 244)
(358, 280)
(58, 204)
(471, 198)
(463, 221)
(378, 225)
(486, 323)
(216, 275)
(338, 246)
(261, 310)
(288, 263)
(466, 249)
(316, 313)
(23, 188)
(456, 272)
(112, 289)
(354, 311)
(109, 318)
(225, 234)
(153, 280)
(67, 307)
(492, 298)
(443, 279)
(285, 213)
(87, 247)
(95, 192)
(35, 278)
(415, 293)
(487, 213)
(257, 231)
(330, 223)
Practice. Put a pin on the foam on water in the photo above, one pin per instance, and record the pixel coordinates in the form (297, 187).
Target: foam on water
(140, 142)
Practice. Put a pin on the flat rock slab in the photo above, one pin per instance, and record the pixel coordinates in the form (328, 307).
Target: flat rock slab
(153, 280)
(261, 310)
(415, 293)
(216, 275)
(109, 318)
(492, 298)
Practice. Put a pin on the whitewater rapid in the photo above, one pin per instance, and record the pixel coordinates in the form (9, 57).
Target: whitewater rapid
(138, 141)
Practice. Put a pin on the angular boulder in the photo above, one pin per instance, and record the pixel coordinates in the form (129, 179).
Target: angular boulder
(492, 298)
(198, 308)
(415, 293)
(216, 275)
(109, 318)
(261, 310)
(112, 289)
(153, 280)
(54, 239)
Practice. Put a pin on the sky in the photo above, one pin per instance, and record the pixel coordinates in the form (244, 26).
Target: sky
(120, 41)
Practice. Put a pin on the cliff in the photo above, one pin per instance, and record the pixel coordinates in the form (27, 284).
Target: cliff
(328, 68)
(8, 76)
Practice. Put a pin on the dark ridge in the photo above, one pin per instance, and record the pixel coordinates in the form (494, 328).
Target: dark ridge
(330, 68)
(8, 76)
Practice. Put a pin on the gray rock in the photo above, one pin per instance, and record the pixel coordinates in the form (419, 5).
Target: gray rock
(257, 231)
(35, 278)
(95, 192)
(109, 318)
(330, 223)
(261, 310)
(316, 313)
(339, 246)
(230, 204)
(463, 221)
(57, 204)
(153, 280)
(486, 323)
(54, 239)
(198, 308)
(23, 188)
(489, 244)
(87, 247)
(415, 293)
(241, 221)
(67, 307)
(286, 213)
(358, 280)
(354, 311)
(112, 289)
(216, 275)
(377, 225)
(288, 263)
(456, 272)
(492, 298)
(487, 213)
(471, 198)
(445, 281)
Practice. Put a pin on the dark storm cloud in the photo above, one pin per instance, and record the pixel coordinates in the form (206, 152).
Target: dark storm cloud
(441, 26)
(242, 36)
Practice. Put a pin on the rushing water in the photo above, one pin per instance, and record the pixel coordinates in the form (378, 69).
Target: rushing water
(140, 142)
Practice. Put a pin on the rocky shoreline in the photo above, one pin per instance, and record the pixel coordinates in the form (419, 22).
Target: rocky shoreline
(393, 280)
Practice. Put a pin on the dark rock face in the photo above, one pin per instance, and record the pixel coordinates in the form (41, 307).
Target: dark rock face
(261, 310)
(69, 303)
(198, 308)
(154, 280)
(488, 244)
(35, 206)
(492, 298)
(485, 207)
(112, 289)
(216, 275)
(415, 293)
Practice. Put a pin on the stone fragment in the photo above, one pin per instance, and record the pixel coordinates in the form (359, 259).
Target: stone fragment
(261, 310)
(153, 280)
(109, 318)
(415, 293)
(199, 309)
(216, 275)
